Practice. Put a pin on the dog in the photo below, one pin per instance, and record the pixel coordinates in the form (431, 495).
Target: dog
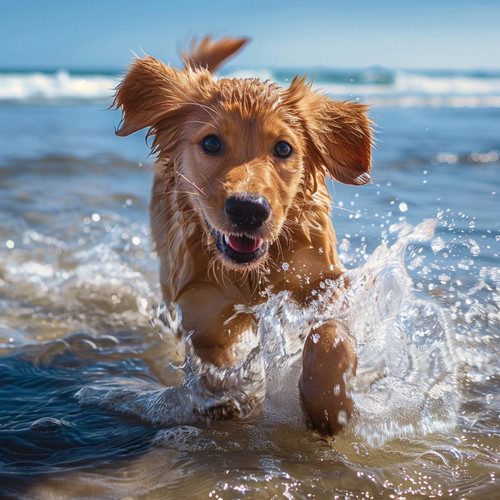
(239, 196)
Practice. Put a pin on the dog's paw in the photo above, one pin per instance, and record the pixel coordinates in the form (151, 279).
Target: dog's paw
(168, 316)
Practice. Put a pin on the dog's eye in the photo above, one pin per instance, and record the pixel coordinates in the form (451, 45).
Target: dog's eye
(211, 144)
(283, 149)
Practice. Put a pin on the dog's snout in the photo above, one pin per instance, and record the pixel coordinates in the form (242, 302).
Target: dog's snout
(247, 211)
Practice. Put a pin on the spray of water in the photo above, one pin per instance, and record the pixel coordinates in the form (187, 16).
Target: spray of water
(406, 382)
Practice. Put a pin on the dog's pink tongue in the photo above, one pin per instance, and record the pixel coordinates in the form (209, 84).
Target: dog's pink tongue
(243, 244)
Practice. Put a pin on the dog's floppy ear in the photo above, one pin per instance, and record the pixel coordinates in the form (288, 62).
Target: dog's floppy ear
(346, 139)
(340, 133)
(149, 91)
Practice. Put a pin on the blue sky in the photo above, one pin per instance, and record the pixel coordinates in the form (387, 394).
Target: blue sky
(96, 34)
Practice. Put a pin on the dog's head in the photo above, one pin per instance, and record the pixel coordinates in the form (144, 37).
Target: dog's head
(244, 153)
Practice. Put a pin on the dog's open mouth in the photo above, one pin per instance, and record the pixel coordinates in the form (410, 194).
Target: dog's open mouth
(240, 249)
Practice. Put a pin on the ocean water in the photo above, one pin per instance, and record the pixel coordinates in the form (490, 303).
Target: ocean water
(79, 301)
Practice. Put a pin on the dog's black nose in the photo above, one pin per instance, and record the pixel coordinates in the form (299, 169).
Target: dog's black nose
(247, 211)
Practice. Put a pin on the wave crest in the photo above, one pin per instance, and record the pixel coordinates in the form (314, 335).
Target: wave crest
(376, 86)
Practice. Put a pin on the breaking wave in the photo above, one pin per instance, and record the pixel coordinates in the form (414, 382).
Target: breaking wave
(378, 86)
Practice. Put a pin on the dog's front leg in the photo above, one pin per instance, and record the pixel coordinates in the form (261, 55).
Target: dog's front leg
(328, 362)
(222, 355)
(224, 376)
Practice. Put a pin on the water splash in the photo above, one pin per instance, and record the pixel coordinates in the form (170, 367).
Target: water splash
(406, 381)
(207, 392)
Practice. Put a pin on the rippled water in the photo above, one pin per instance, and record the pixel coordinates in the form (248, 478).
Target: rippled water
(78, 284)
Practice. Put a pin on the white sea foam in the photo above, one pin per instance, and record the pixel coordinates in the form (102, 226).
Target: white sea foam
(414, 83)
(60, 86)
(400, 88)
(418, 90)
(377, 87)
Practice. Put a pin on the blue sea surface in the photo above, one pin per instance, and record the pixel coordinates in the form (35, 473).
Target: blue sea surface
(78, 281)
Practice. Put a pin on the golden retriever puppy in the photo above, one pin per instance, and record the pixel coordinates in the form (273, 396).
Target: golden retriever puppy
(239, 190)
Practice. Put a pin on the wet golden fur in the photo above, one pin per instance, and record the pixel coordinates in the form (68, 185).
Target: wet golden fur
(183, 106)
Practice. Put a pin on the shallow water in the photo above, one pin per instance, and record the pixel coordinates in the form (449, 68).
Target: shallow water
(78, 282)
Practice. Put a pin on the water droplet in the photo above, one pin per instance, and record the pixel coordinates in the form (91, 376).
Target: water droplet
(437, 244)
(475, 250)
(315, 337)
(403, 207)
(285, 266)
(342, 417)
(10, 244)
(46, 425)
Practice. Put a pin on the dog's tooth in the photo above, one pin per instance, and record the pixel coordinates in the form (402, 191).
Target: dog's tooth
(226, 239)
